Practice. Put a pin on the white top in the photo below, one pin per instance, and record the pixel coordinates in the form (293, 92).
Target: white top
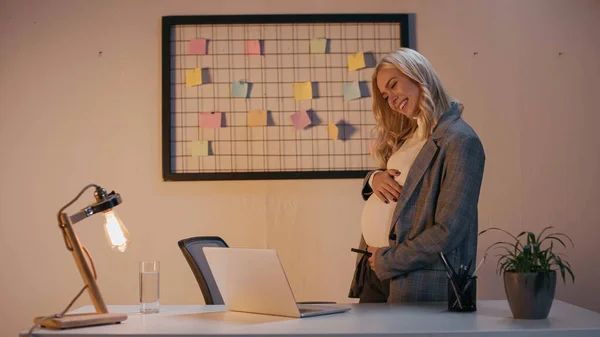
(492, 318)
(377, 215)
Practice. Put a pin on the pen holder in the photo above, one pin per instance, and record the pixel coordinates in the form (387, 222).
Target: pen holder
(467, 292)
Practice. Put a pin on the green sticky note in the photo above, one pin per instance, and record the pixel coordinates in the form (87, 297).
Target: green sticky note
(318, 46)
(351, 90)
(200, 148)
(239, 89)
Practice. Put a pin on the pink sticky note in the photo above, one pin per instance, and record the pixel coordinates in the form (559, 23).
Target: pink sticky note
(198, 47)
(300, 119)
(210, 119)
(252, 47)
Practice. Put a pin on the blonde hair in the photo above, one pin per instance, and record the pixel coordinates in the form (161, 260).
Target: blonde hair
(392, 127)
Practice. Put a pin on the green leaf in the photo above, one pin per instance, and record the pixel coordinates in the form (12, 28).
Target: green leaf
(502, 243)
(501, 230)
(530, 238)
(554, 236)
(550, 237)
(566, 236)
(542, 233)
(570, 273)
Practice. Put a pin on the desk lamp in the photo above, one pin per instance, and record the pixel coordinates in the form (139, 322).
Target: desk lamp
(118, 238)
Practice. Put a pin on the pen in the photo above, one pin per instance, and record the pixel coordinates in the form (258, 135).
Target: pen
(360, 251)
(470, 278)
(478, 266)
(448, 266)
(462, 273)
(451, 278)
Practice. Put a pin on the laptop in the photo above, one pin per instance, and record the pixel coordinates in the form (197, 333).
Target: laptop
(253, 280)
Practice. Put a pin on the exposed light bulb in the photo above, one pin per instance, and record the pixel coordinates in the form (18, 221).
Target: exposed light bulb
(115, 232)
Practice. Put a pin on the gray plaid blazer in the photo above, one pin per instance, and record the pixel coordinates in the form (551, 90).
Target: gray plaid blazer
(436, 212)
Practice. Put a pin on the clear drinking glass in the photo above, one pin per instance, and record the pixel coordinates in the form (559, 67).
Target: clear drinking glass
(149, 287)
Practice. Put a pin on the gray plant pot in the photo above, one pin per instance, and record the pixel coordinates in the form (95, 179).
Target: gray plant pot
(529, 295)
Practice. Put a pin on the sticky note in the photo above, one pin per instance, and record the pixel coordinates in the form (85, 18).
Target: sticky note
(333, 131)
(356, 61)
(200, 148)
(252, 47)
(239, 89)
(351, 90)
(318, 46)
(210, 120)
(257, 118)
(193, 77)
(198, 47)
(300, 119)
(303, 91)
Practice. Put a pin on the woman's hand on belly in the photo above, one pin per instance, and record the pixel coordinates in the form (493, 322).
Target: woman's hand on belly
(385, 187)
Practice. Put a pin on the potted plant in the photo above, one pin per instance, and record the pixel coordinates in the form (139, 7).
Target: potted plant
(528, 264)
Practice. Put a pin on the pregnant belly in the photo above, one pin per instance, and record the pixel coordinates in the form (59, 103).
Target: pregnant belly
(376, 220)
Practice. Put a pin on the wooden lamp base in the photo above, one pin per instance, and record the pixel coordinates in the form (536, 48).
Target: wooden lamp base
(81, 320)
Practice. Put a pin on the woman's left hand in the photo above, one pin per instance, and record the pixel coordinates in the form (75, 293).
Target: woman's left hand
(372, 250)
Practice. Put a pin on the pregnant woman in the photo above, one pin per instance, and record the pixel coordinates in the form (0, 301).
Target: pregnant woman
(424, 199)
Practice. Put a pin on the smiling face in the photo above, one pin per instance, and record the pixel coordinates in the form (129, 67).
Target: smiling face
(400, 92)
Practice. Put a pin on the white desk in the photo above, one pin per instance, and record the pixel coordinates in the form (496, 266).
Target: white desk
(493, 318)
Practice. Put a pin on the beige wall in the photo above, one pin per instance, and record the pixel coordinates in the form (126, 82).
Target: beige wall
(69, 117)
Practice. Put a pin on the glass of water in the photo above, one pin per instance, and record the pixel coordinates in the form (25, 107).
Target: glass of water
(149, 287)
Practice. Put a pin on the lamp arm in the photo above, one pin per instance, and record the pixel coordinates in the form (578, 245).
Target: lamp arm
(77, 217)
(84, 213)
(72, 242)
(75, 199)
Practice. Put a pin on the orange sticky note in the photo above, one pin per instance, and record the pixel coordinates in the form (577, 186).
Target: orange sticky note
(257, 118)
(198, 47)
(356, 61)
(193, 77)
(333, 131)
(303, 91)
(253, 47)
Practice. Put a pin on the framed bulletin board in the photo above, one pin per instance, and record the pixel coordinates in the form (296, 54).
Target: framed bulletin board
(272, 96)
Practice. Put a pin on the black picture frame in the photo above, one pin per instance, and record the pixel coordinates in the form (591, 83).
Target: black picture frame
(407, 39)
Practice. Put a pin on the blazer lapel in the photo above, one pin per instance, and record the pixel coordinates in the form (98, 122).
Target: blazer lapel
(424, 159)
(415, 174)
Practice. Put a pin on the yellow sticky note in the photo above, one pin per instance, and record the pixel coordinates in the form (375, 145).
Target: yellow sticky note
(356, 61)
(257, 118)
(333, 131)
(303, 91)
(200, 148)
(318, 46)
(193, 77)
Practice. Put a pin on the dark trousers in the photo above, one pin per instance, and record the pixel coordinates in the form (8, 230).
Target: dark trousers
(374, 290)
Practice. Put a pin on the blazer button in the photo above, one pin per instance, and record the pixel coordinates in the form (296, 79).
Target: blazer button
(393, 236)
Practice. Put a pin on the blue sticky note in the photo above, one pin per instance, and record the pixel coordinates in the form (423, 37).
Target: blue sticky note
(239, 89)
(351, 90)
